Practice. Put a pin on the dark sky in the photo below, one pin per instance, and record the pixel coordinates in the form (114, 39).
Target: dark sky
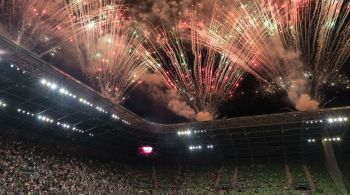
(246, 102)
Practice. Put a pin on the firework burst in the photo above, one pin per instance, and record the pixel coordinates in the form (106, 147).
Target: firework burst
(203, 77)
(109, 50)
(38, 25)
(298, 45)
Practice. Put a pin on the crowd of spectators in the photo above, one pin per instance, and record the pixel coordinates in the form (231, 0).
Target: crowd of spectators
(200, 179)
(323, 181)
(262, 179)
(27, 167)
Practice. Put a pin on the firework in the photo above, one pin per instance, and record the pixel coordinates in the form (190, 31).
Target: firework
(297, 45)
(38, 25)
(203, 77)
(109, 50)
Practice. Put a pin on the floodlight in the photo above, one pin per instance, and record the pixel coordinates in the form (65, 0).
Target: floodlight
(53, 86)
(43, 81)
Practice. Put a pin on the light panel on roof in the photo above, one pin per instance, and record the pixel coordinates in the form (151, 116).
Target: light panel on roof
(2, 104)
(63, 91)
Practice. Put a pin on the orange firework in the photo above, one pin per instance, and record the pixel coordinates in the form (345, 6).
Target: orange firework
(203, 77)
(296, 45)
(38, 25)
(109, 49)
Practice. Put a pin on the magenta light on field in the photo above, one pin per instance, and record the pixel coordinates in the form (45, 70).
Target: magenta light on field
(146, 150)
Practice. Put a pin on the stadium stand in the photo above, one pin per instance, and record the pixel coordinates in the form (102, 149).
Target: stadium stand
(199, 178)
(261, 179)
(298, 175)
(27, 167)
(323, 181)
(226, 177)
(30, 167)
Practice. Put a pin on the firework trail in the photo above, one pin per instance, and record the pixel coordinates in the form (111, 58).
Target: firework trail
(38, 25)
(203, 77)
(110, 51)
(297, 45)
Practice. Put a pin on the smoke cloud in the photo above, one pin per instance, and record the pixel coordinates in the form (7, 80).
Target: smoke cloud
(171, 99)
(179, 107)
(300, 98)
(204, 116)
(166, 13)
(291, 68)
(305, 103)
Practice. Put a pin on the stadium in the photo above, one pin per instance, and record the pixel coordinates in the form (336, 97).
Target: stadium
(61, 134)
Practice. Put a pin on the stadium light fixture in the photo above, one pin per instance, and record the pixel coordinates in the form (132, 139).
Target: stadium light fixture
(199, 131)
(125, 122)
(115, 117)
(100, 109)
(200, 147)
(70, 127)
(332, 139)
(2, 104)
(337, 120)
(19, 110)
(314, 121)
(46, 119)
(195, 147)
(63, 91)
(184, 133)
(330, 120)
(210, 146)
(50, 85)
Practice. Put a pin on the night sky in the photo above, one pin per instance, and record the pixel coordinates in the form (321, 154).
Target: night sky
(246, 102)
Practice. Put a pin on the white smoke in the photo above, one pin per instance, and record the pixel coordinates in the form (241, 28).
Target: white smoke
(298, 95)
(305, 103)
(292, 70)
(204, 116)
(167, 13)
(171, 99)
(176, 105)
